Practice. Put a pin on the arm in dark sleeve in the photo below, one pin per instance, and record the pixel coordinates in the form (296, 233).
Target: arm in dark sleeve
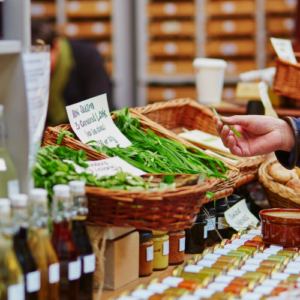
(290, 160)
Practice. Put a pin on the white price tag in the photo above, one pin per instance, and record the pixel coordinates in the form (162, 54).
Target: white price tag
(193, 269)
(276, 247)
(166, 248)
(224, 279)
(232, 247)
(292, 271)
(238, 242)
(214, 257)
(170, 9)
(3, 167)
(254, 232)
(252, 296)
(250, 268)
(54, 273)
(280, 276)
(74, 270)
(205, 232)
(182, 244)
(89, 263)
(284, 49)
(16, 291)
(254, 261)
(204, 293)
(228, 7)
(218, 287)
(262, 256)
(149, 254)
(271, 282)
(248, 237)
(222, 251)
(236, 273)
(205, 263)
(171, 27)
(142, 294)
(265, 290)
(271, 251)
(13, 188)
(158, 288)
(33, 281)
(293, 264)
(222, 224)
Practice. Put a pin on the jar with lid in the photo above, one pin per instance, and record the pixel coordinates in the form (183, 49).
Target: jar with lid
(195, 241)
(146, 254)
(177, 247)
(161, 250)
(210, 229)
(222, 224)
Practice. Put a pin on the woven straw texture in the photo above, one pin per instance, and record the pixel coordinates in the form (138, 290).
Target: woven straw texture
(287, 78)
(278, 195)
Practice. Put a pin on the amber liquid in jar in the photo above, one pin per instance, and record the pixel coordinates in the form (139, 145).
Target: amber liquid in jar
(177, 247)
(146, 254)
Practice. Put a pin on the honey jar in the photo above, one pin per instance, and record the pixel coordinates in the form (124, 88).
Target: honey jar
(177, 247)
(161, 250)
(146, 254)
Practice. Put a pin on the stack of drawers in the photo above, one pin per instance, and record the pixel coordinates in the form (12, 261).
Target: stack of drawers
(43, 10)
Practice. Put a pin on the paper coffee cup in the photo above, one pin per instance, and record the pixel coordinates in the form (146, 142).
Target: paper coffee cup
(210, 75)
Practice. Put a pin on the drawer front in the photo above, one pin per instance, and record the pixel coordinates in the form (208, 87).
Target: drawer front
(177, 9)
(229, 93)
(280, 6)
(233, 8)
(105, 48)
(156, 94)
(83, 9)
(87, 29)
(171, 67)
(280, 25)
(42, 10)
(230, 48)
(235, 67)
(271, 63)
(270, 49)
(186, 48)
(230, 28)
(172, 28)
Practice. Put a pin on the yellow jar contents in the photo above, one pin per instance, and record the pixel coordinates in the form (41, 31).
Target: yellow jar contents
(161, 250)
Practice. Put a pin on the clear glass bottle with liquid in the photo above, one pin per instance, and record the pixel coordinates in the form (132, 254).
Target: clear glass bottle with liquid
(82, 239)
(20, 220)
(64, 244)
(41, 247)
(11, 275)
(9, 183)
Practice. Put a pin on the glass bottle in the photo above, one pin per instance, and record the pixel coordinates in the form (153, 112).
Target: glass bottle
(210, 229)
(41, 247)
(11, 275)
(9, 183)
(30, 270)
(64, 244)
(82, 239)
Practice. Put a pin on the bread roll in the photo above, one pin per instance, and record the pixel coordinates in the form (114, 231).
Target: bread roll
(280, 174)
(294, 184)
(297, 170)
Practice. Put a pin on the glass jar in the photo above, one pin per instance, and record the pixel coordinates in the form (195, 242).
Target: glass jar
(146, 254)
(210, 229)
(232, 200)
(222, 224)
(161, 250)
(177, 247)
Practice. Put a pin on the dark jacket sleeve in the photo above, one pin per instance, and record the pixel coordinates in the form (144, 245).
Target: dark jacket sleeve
(291, 159)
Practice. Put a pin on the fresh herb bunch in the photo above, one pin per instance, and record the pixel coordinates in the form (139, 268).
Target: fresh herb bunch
(157, 155)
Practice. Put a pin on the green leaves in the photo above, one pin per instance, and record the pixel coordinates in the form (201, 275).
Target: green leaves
(63, 133)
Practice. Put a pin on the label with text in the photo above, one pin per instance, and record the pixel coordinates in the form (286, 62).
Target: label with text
(89, 263)
(166, 248)
(16, 291)
(54, 273)
(149, 254)
(74, 270)
(182, 244)
(33, 281)
(284, 49)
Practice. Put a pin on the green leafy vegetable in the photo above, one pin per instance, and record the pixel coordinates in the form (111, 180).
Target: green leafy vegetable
(63, 133)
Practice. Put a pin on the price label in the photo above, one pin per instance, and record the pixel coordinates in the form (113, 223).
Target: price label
(74, 270)
(224, 279)
(89, 263)
(149, 254)
(16, 291)
(284, 49)
(54, 274)
(166, 248)
(172, 281)
(193, 269)
(182, 244)
(33, 281)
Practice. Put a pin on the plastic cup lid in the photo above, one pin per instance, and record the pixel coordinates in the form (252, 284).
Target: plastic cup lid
(39, 195)
(20, 200)
(210, 63)
(4, 205)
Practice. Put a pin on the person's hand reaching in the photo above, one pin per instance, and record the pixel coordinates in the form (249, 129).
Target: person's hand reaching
(260, 135)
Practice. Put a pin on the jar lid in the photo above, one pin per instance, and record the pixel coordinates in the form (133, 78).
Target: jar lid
(62, 190)
(39, 195)
(77, 186)
(145, 235)
(154, 232)
(19, 200)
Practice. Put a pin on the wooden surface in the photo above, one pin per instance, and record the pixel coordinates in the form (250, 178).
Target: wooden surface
(107, 294)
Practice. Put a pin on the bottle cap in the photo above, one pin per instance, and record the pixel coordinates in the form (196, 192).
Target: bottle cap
(62, 190)
(19, 200)
(4, 205)
(77, 186)
(39, 195)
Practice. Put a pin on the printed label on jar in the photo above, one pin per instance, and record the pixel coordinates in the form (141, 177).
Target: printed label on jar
(182, 244)
(149, 254)
(166, 248)
(16, 291)
(74, 270)
(54, 274)
(222, 224)
(205, 232)
(33, 281)
(210, 224)
(89, 263)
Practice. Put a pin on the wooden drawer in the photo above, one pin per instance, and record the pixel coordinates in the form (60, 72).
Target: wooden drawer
(235, 67)
(228, 93)
(186, 48)
(84, 9)
(232, 8)
(280, 25)
(280, 6)
(87, 29)
(172, 28)
(171, 67)
(156, 94)
(105, 48)
(270, 49)
(230, 27)
(177, 9)
(230, 48)
(43, 10)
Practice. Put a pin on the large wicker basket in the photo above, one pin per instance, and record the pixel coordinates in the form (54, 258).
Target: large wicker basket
(287, 78)
(186, 113)
(278, 195)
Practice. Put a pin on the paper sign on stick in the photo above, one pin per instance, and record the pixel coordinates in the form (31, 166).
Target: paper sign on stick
(239, 216)
(284, 49)
(91, 121)
(265, 99)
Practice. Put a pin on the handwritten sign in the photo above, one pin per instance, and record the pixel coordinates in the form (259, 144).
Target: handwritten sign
(239, 216)
(284, 49)
(107, 167)
(265, 99)
(91, 121)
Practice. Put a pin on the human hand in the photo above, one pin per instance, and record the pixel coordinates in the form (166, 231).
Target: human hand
(260, 135)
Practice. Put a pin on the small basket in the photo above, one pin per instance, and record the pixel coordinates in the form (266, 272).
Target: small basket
(186, 113)
(278, 195)
(287, 78)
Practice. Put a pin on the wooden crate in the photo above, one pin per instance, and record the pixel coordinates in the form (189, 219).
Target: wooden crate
(172, 28)
(280, 6)
(158, 93)
(171, 67)
(216, 28)
(87, 29)
(42, 10)
(230, 48)
(169, 9)
(105, 48)
(280, 25)
(233, 8)
(88, 9)
(235, 67)
(172, 48)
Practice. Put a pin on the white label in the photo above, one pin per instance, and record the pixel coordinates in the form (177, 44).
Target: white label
(98, 28)
(280, 276)
(298, 259)
(218, 287)
(228, 26)
(289, 24)
(166, 248)
(271, 282)
(252, 296)
(205, 232)
(222, 224)
(204, 293)
(90, 120)
(169, 67)
(291, 3)
(3, 167)
(149, 254)
(265, 290)
(71, 29)
(158, 288)
(205, 263)
(182, 244)
(89, 263)
(54, 275)
(170, 48)
(228, 7)
(169, 94)
(262, 256)
(254, 232)
(213, 257)
(248, 237)
(284, 49)
(210, 224)
(101, 6)
(224, 279)
(73, 6)
(232, 247)
(239, 216)
(172, 281)
(13, 188)
(271, 251)
(238, 242)
(276, 247)
(33, 281)
(249, 268)
(16, 291)
(254, 261)
(193, 269)
(293, 264)
(74, 270)
(171, 27)
(170, 9)
(293, 271)
(236, 273)
(222, 251)
(142, 294)
(37, 10)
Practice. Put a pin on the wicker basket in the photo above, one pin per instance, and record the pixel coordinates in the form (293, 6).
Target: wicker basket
(185, 113)
(278, 195)
(287, 78)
